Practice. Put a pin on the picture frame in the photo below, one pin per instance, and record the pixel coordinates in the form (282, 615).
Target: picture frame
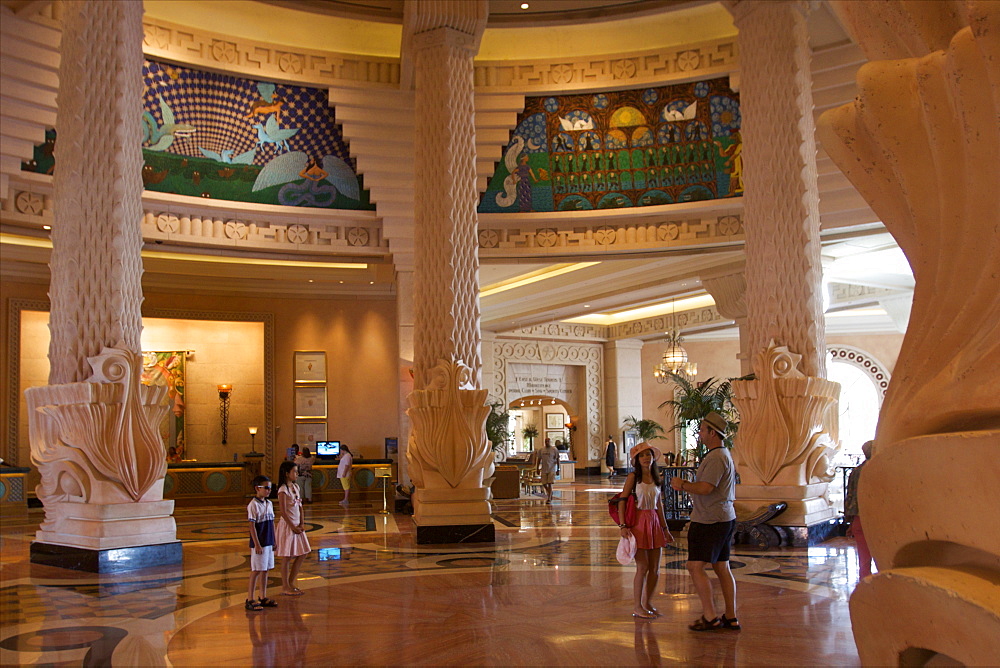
(629, 440)
(310, 366)
(307, 433)
(554, 420)
(310, 403)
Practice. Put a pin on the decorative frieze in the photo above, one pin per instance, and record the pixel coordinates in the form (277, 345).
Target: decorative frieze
(657, 66)
(185, 44)
(499, 241)
(562, 330)
(312, 238)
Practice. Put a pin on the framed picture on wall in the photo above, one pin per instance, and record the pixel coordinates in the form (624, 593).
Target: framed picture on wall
(554, 420)
(310, 403)
(310, 366)
(629, 439)
(307, 433)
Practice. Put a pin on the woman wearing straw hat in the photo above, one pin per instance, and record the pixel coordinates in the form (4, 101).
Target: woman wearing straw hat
(649, 528)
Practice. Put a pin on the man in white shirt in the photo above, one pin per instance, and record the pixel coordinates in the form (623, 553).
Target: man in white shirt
(547, 465)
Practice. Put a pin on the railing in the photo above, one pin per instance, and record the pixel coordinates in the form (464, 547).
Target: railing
(676, 505)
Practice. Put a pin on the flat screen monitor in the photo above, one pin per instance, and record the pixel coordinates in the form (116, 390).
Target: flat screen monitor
(328, 448)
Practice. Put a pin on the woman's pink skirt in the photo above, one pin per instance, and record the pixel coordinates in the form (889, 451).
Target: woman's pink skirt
(647, 531)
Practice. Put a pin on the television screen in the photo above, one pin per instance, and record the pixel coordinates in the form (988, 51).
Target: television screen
(328, 448)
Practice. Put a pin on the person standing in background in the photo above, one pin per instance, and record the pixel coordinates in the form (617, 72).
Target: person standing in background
(344, 472)
(305, 463)
(852, 513)
(609, 456)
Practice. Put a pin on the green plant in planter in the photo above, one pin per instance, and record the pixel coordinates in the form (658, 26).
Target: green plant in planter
(530, 432)
(498, 426)
(693, 401)
(646, 430)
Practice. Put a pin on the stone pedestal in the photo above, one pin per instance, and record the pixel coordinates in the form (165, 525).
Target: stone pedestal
(919, 144)
(786, 442)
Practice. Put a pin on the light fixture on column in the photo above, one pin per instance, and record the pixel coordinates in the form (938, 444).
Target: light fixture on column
(224, 392)
(253, 435)
(675, 360)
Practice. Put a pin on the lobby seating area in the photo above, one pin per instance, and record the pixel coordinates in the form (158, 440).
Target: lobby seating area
(549, 591)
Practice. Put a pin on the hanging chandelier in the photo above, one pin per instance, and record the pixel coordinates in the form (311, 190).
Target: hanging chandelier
(675, 360)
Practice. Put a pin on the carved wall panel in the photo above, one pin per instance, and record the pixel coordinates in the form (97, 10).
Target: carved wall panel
(588, 355)
(171, 41)
(656, 66)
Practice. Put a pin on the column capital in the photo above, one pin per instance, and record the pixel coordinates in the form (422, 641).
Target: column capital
(446, 36)
(729, 292)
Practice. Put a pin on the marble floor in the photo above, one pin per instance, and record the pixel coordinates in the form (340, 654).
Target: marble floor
(548, 592)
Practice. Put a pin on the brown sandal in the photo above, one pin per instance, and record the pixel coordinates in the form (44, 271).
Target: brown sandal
(702, 624)
(730, 624)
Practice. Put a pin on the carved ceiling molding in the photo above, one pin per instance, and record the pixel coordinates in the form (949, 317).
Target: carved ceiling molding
(570, 237)
(184, 44)
(560, 330)
(865, 361)
(700, 60)
(319, 232)
(658, 325)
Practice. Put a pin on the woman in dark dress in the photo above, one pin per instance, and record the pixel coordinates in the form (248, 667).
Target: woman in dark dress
(609, 456)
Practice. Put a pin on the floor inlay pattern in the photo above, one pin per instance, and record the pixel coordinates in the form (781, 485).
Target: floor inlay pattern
(549, 591)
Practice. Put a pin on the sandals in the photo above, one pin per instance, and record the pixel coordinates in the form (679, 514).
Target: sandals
(253, 605)
(702, 624)
(730, 624)
(268, 602)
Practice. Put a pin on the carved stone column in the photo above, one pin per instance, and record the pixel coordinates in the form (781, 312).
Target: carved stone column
(92, 429)
(783, 268)
(920, 144)
(728, 288)
(448, 453)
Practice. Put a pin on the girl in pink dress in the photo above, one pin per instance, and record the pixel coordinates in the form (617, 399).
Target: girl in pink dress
(291, 543)
(650, 526)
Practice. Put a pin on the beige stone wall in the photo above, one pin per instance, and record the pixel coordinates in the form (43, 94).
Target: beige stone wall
(358, 335)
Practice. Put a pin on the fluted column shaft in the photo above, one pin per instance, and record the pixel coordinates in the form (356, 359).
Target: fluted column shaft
(446, 267)
(96, 266)
(781, 201)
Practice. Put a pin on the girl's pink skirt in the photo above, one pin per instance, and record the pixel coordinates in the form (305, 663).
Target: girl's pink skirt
(647, 531)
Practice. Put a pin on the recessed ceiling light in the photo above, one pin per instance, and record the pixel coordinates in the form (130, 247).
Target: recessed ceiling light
(371, 282)
(586, 306)
(46, 227)
(524, 5)
(310, 280)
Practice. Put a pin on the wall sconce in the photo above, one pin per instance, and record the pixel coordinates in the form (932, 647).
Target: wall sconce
(253, 435)
(224, 392)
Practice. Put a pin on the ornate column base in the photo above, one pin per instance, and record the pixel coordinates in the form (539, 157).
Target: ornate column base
(935, 535)
(450, 458)
(809, 519)
(453, 516)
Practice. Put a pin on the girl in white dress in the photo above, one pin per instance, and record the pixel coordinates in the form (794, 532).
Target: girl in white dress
(291, 543)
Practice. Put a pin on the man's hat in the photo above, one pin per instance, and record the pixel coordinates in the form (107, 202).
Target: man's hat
(716, 422)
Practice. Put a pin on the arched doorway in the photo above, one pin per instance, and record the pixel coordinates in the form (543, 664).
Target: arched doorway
(550, 417)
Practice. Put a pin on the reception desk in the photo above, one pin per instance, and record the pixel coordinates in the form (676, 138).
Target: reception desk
(209, 483)
(13, 496)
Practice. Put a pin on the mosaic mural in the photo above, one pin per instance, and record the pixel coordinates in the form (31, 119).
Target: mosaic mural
(169, 369)
(222, 137)
(641, 147)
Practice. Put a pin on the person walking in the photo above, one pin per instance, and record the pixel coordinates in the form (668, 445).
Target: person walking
(344, 467)
(547, 463)
(305, 463)
(853, 513)
(260, 512)
(609, 456)
(291, 542)
(713, 520)
(650, 527)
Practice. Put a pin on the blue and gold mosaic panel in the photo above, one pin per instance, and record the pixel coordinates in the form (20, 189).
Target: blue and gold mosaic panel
(620, 149)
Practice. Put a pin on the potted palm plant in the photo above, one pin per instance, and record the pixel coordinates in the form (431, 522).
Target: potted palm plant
(693, 401)
(498, 429)
(530, 432)
(646, 430)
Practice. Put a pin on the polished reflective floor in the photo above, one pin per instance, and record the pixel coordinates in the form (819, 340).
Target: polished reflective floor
(548, 592)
